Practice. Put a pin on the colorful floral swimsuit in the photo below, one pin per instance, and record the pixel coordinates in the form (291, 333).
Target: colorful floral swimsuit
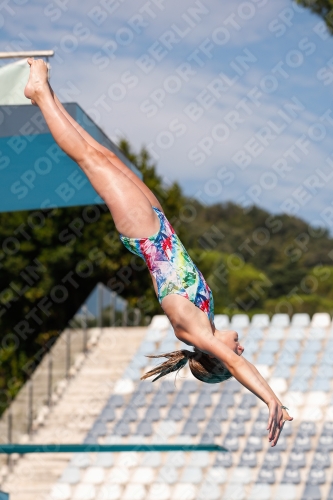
(171, 266)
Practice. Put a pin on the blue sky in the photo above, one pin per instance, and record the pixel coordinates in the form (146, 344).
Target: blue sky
(232, 98)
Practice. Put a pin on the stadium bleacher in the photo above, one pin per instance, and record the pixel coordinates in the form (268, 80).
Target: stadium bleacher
(296, 358)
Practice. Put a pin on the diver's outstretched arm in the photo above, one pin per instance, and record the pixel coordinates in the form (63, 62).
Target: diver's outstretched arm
(249, 377)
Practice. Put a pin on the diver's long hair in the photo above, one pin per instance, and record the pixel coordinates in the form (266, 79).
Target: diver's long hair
(202, 366)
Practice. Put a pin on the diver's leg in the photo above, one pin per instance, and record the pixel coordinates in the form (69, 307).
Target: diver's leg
(130, 208)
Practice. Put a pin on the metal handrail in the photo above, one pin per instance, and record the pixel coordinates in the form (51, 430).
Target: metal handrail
(8, 449)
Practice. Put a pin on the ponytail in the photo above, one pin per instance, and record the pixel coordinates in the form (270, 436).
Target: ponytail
(203, 367)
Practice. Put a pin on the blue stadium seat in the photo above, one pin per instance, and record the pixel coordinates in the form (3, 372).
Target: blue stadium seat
(160, 400)
(250, 345)
(321, 460)
(248, 459)
(231, 386)
(98, 429)
(189, 386)
(272, 459)
(328, 429)
(144, 428)
(297, 460)
(272, 346)
(130, 414)
(108, 414)
(138, 361)
(198, 413)
(167, 387)
(213, 428)
(204, 400)
(190, 428)
(299, 385)
(308, 358)
(281, 444)
(311, 492)
(282, 371)
(296, 333)
(90, 439)
(302, 442)
(231, 442)
(263, 415)
(223, 459)
(275, 333)
(138, 400)
(266, 476)
(255, 333)
(292, 345)
(259, 428)
(317, 475)
(248, 401)
(182, 399)
(325, 443)
(220, 413)
(254, 443)
(303, 371)
(313, 345)
(121, 429)
(308, 428)
(291, 476)
(287, 358)
(327, 358)
(175, 413)
(236, 428)
(265, 358)
(321, 384)
(115, 401)
(243, 414)
(226, 400)
(325, 370)
(145, 387)
(152, 414)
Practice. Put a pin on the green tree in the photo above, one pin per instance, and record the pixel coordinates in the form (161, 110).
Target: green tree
(322, 7)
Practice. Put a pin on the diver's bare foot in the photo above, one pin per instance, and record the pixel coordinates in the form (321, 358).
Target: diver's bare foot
(38, 79)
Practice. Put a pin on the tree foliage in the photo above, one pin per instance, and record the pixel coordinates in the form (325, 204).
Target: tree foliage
(322, 7)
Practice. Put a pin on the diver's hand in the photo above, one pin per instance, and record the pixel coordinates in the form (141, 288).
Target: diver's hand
(276, 420)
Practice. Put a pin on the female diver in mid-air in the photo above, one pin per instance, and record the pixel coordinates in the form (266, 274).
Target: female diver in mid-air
(180, 287)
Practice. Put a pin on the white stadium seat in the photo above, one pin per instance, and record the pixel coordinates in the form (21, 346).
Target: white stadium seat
(239, 321)
(321, 320)
(260, 321)
(221, 321)
(281, 320)
(300, 319)
(160, 322)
